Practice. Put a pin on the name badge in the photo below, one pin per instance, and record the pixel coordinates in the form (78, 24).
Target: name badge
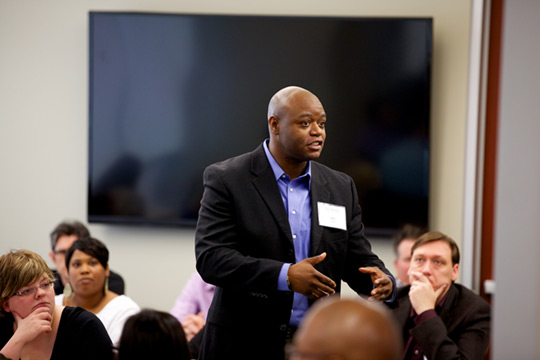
(331, 215)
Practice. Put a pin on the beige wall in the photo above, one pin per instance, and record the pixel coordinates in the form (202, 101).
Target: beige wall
(43, 126)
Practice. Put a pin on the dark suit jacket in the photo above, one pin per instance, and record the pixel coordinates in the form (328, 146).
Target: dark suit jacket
(461, 331)
(242, 240)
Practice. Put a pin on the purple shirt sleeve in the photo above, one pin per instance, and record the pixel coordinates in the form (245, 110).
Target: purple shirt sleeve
(195, 297)
(282, 280)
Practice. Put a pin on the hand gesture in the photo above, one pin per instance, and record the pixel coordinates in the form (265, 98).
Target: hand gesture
(192, 324)
(37, 322)
(306, 280)
(383, 285)
(422, 294)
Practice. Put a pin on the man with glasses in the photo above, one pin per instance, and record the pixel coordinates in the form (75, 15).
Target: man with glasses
(439, 318)
(62, 237)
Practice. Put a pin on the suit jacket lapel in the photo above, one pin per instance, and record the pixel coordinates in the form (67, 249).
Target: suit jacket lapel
(403, 311)
(448, 305)
(319, 192)
(265, 183)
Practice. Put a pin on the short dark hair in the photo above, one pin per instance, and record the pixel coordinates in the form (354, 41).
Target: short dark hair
(407, 231)
(89, 246)
(438, 236)
(67, 228)
(152, 334)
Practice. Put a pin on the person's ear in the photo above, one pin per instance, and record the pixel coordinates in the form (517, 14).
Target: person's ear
(107, 271)
(273, 125)
(455, 272)
(5, 306)
(51, 255)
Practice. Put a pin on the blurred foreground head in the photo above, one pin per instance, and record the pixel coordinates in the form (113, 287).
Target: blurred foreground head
(348, 330)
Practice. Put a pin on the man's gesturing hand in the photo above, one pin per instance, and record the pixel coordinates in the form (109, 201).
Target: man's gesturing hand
(306, 280)
(382, 283)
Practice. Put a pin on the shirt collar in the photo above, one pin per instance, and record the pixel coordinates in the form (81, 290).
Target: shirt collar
(278, 171)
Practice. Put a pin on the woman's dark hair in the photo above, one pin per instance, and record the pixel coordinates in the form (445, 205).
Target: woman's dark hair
(152, 334)
(89, 246)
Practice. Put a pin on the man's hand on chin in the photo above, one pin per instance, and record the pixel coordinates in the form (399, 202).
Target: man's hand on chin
(422, 294)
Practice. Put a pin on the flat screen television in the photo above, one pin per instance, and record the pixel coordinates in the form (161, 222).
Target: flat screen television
(172, 93)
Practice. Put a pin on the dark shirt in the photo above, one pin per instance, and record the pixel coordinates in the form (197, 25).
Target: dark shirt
(458, 328)
(116, 283)
(413, 351)
(81, 335)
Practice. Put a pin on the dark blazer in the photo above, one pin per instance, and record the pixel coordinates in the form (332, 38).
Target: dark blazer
(461, 331)
(242, 240)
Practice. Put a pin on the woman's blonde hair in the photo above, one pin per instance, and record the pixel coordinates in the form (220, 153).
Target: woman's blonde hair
(19, 268)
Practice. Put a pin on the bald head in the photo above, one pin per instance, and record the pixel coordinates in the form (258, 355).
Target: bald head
(349, 329)
(296, 123)
(281, 101)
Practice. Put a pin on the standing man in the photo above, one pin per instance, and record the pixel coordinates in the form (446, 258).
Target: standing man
(403, 242)
(278, 231)
(440, 319)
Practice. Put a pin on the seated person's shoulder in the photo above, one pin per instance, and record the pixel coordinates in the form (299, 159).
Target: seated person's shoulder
(126, 302)
(470, 300)
(116, 283)
(77, 316)
(78, 323)
(470, 307)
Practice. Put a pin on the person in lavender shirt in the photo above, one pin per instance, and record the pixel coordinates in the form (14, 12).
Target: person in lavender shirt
(191, 306)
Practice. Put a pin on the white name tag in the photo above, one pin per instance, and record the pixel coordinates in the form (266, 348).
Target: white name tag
(331, 215)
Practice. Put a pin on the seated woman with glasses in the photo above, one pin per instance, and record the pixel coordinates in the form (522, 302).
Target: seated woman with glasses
(88, 271)
(32, 326)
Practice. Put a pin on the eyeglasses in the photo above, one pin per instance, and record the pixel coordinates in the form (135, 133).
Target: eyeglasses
(60, 252)
(32, 290)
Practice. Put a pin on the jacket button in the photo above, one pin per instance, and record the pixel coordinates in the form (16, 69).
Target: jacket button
(283, 327)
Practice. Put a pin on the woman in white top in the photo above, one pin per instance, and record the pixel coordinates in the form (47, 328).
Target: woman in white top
(88, 271)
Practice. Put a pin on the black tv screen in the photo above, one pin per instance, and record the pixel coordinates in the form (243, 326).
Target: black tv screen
(172, 93)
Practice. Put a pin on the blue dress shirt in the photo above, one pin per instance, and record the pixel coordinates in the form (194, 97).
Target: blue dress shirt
(297, 201)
